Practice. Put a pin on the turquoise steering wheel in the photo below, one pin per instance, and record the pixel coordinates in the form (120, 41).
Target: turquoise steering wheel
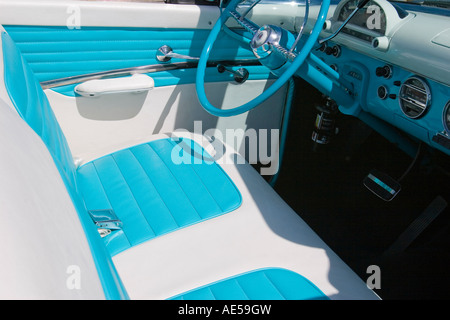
(293, 60)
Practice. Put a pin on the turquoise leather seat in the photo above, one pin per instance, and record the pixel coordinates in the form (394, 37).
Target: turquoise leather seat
(265, 284)
(151, 195)
(32, 105)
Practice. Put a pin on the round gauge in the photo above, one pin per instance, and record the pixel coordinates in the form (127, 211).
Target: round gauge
(414, 97)
(447, 117)
(364, 18)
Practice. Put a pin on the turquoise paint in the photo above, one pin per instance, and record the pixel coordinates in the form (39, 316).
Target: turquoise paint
(357, 71)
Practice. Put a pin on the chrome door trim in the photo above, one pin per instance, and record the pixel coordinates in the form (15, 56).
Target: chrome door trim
(141, 69)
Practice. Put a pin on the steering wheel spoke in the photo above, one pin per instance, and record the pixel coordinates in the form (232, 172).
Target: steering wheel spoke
(287, 54)
(245, 23)
(269, 44)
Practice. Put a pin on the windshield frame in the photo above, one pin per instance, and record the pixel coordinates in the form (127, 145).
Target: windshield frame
(428, 6)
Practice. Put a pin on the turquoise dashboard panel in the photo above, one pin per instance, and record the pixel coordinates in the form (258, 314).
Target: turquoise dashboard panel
(263, 284)
(156, 188)
(57, 52)
(360, 72)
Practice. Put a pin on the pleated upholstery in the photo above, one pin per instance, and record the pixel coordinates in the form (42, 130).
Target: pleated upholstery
(263, 284)
(32, 105)
(152, 194)
(56, 51)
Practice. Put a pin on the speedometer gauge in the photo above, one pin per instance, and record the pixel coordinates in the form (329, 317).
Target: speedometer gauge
(370, 17)
(415, 97)
(447, 117)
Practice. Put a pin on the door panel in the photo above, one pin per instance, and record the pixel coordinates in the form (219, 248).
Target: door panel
(58, 52)
(111, 36)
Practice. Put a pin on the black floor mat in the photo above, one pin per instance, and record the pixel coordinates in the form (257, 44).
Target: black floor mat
(325, 187)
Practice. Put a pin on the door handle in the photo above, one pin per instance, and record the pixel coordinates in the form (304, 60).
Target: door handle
(165, 54)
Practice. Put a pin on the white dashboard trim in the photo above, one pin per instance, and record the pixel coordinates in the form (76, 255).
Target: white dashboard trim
(417, 53)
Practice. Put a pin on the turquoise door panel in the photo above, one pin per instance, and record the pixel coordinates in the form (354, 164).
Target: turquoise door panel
(59, 52)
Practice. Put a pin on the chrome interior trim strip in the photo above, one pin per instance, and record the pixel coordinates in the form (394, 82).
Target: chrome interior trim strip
(141, 69)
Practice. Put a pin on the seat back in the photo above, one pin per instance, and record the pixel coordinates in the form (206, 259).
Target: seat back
(32, 105)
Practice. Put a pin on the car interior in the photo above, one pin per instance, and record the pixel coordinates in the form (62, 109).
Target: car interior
(225, 150)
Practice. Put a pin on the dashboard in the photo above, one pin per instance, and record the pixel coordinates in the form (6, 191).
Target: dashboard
(398, 63)
(394, 58)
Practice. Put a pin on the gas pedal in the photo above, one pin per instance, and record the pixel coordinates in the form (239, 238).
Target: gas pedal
(382, 185)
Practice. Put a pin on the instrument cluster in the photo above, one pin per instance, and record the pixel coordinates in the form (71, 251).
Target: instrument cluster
(397, 63)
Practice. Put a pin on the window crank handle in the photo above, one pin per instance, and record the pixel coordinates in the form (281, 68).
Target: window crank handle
(240, 75)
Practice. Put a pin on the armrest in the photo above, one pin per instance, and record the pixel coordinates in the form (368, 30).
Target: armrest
(135, 83)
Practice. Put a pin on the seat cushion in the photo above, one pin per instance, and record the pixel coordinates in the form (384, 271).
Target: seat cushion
(155, 188)
(265, 284)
